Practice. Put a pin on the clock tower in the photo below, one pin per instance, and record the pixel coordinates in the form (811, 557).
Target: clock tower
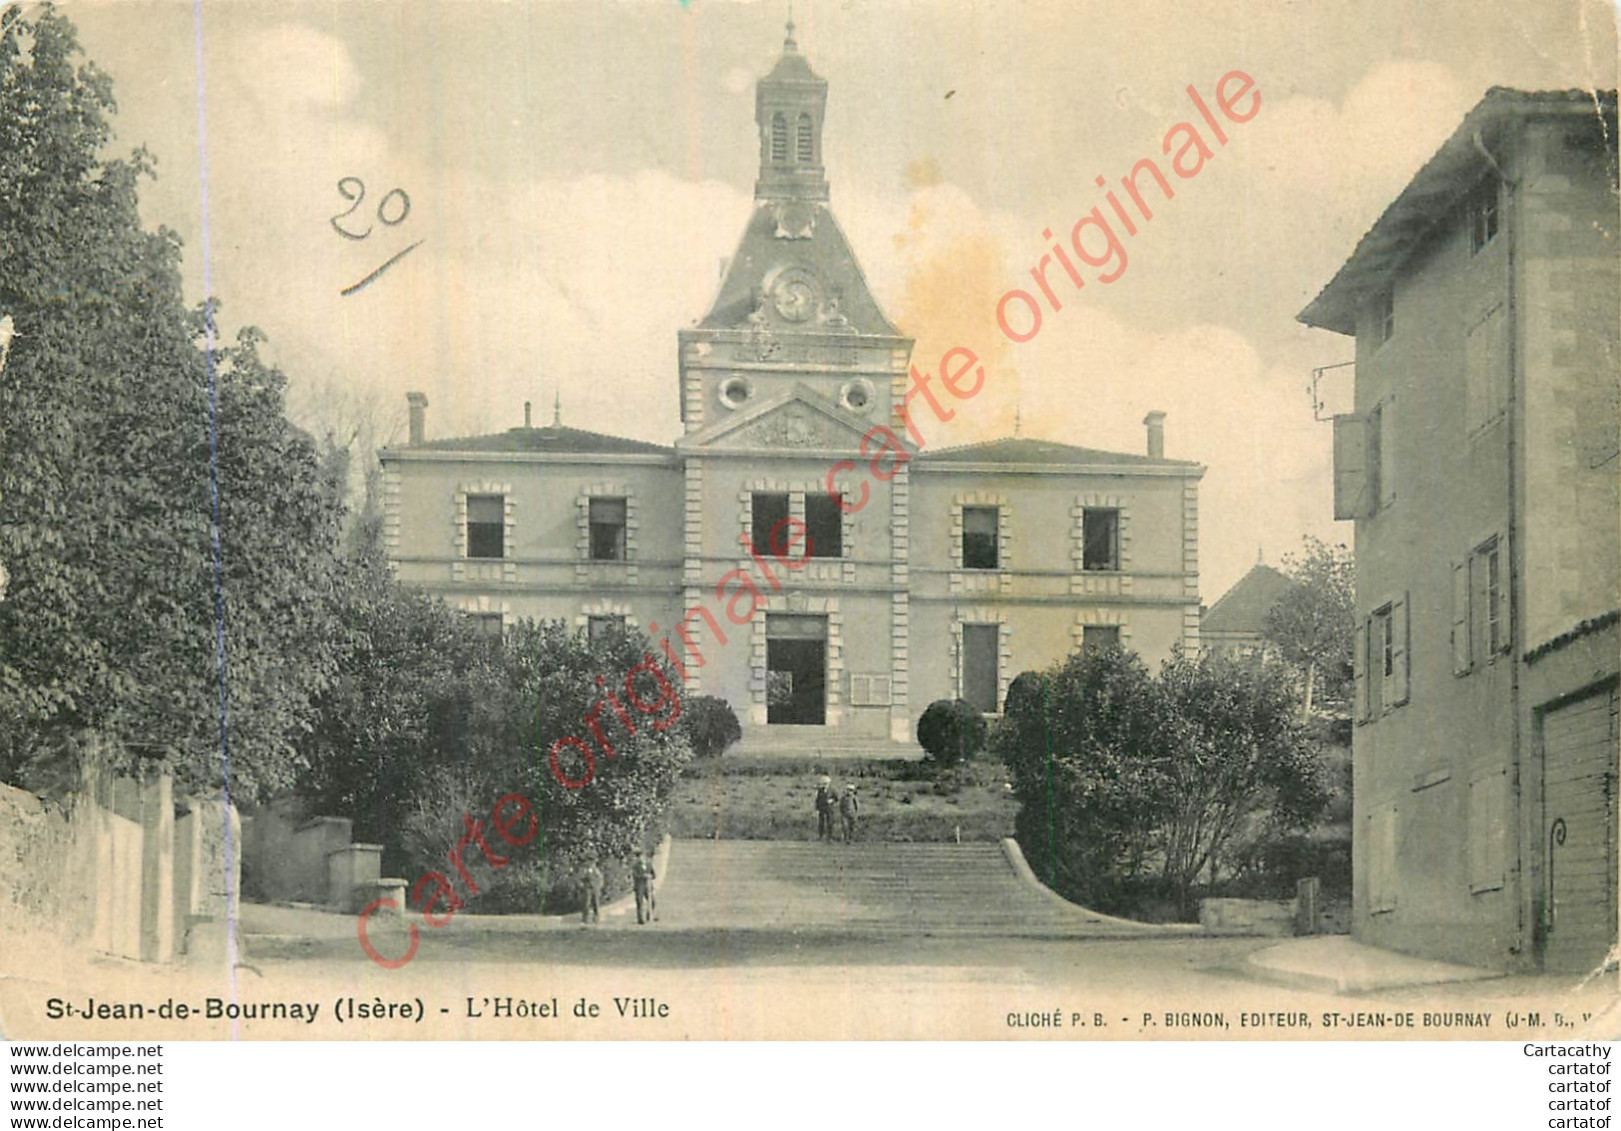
(794, 312)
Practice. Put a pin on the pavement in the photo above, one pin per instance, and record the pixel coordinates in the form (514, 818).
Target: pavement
(745, 902)
(1341, 965)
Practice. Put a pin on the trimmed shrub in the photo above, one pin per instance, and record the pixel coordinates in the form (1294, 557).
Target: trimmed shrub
(711, 725)
(951, 731)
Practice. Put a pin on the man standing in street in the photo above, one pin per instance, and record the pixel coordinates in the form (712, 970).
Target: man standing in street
(848, 807)
(590, 892)
(642, 877)
(827, 801)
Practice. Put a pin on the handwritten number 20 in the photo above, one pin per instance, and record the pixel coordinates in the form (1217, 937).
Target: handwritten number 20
(354, 189)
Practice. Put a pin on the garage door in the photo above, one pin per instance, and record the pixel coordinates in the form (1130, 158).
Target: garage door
(1579, 797)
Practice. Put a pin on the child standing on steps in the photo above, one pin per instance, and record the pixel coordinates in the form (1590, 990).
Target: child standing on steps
(848, 808)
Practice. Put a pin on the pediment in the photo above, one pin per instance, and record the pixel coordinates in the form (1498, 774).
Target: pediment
(799, 419)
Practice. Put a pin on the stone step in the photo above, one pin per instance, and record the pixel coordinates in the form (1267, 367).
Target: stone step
(969, 889)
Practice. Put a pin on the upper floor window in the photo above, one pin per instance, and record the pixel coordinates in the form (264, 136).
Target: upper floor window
(979, 541)
(1483, 216)
(769, 522)
(607, 530)
(1480, 621)
(803, 141)
(824, 525)
(601, 627)
(1097, 637)
(1100, 538)
(1387, 315)
(779, 139)
(486, 526)
(1380, 662)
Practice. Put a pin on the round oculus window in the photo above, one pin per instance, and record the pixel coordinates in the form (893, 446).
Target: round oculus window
(734, 391)
(857, 395)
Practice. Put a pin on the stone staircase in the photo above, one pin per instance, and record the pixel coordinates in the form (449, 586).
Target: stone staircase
(819, 749)
(862, 889)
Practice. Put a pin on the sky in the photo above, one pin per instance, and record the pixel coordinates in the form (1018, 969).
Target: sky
(576, 171)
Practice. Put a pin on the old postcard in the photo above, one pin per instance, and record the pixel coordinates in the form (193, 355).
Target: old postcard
(690, 519)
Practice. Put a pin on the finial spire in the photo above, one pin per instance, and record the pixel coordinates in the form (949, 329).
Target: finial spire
(1017, 414)
(557, 409)
(1260, 555)
(788, 44)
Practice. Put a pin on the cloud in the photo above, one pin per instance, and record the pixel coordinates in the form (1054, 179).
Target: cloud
(295, 66)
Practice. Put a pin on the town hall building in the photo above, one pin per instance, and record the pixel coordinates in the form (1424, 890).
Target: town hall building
(879, 581)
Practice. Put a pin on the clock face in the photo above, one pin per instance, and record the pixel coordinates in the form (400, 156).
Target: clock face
(796, 300)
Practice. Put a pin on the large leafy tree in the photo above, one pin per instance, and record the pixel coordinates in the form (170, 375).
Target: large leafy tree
(1082, 741)
(1238, 765)
(1312, 625)
(1131, 781)
(169, 536)
(429, 724)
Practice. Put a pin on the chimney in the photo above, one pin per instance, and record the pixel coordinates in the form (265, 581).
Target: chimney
(1156, 434)
(526, 423)
(419, 410)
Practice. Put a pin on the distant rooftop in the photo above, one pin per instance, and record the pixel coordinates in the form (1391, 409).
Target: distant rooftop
(1018, 450)
(1243, 608)
(556, 438)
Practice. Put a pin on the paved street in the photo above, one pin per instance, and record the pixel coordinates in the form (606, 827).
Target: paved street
(890, 940)
(768, 939)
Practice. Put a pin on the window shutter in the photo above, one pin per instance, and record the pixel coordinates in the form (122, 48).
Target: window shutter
(1351, 467)
(1382, 860)
(1359, 669)
(1463, 658)
(1485, 371)
(1386, 473)
(1400, 670)
(1486, 832)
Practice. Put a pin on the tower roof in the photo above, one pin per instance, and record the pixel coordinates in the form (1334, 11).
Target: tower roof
(796, 237)
(793, 272)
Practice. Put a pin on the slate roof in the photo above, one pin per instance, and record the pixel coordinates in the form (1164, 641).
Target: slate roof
(1437, 190)
(1020, 450)
(825, 253)
(1243, 608)
(554, 438)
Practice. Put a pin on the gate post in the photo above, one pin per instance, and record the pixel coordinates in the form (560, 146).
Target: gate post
(157, 868)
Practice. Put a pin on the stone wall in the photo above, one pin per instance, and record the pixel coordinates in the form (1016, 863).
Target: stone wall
(110, 869)
(47, 868)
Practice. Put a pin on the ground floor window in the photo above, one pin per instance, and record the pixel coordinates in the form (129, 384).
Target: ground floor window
(488, 625)
(598, 627)
(981, 653)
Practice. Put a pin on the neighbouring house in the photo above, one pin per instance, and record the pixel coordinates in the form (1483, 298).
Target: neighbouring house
(940, 575)
(1480, 466)
(1235, 625)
